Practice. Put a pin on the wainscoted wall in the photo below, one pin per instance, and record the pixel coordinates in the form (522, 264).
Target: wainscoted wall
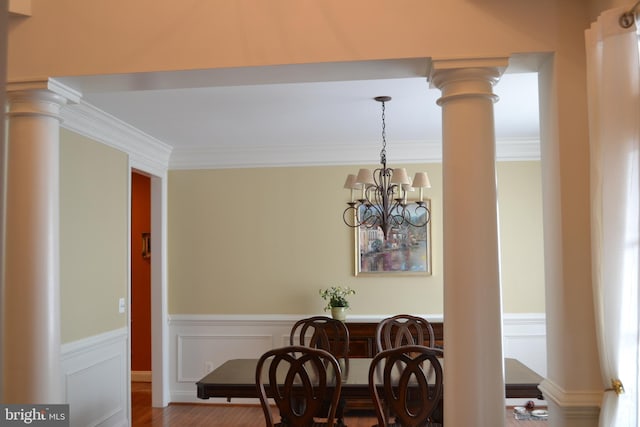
(200, 343)
(95, 380)
(95, 369)
(525, 339)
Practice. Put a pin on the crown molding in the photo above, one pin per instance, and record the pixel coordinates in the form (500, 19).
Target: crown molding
(154, 156)
(298, 155)
(145, 152)
(518, 149)
(225, 157)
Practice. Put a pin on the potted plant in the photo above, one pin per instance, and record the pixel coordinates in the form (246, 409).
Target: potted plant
(336, 297)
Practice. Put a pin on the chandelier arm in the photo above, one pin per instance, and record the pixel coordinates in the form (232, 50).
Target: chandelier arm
(354, 217)
(351, 212)
(370, 216)
(419, 212)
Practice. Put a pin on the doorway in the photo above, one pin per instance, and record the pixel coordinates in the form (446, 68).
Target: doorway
(140, 278)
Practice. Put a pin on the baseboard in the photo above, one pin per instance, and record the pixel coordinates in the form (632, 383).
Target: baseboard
(141, 376)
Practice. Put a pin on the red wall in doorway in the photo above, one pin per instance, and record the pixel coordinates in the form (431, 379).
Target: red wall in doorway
(140, 274)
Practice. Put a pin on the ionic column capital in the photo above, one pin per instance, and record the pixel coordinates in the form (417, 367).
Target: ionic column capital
(466, 78)
(41, 97)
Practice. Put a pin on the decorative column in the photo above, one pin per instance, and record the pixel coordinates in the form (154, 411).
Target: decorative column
(474, 380)
(31, 372)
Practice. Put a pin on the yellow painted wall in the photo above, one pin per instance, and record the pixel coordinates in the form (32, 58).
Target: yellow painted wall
(263, 241)
(521, 243)
(93, 236)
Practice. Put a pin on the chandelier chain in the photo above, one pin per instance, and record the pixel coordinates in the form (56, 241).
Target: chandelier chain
(383, 152)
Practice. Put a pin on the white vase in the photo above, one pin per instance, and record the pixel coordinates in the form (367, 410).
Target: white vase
(339, 313)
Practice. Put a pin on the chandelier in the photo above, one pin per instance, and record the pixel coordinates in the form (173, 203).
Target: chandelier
(383, 202)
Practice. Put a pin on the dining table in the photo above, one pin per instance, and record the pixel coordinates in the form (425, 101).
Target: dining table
(235, 378)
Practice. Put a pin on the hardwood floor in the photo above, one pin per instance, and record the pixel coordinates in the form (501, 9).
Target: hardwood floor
(211, 415)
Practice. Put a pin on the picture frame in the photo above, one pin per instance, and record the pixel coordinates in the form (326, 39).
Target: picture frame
(406, 252)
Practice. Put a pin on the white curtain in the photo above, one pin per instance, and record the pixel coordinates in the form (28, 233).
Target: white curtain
(613, 76)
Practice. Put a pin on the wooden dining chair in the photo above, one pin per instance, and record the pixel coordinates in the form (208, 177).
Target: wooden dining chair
(300, 380)
(327, 334)
(322, 332)
(407, 382)
(404, 329)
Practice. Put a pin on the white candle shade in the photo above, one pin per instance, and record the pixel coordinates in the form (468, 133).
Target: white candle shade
(351, 183)
(421, 180)
(400, 176)
(365, 176)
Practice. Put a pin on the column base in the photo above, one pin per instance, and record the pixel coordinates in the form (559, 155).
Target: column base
(571, 408)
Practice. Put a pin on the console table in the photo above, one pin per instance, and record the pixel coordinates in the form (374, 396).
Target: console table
(362, 338)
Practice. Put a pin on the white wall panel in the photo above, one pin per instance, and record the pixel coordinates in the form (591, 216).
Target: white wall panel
(95, 380)
(525, 339)
(197, 354)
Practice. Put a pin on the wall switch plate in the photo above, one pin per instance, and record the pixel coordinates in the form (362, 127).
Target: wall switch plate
(121, 305)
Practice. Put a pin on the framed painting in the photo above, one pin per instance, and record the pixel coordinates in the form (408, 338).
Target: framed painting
(407, 250)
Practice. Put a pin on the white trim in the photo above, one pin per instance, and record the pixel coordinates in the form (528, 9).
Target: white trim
(229, 156)
(70, 94)
(76, 348)
(160, 355)
(128, 295)
(146, 152)
(524, 318)
(518, 150)
(273, 319)
(577, 399)
(223, 157)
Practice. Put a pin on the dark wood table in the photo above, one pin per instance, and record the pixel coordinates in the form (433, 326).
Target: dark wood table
(236, 379)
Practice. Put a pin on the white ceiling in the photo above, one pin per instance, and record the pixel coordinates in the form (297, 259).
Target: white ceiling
(300, 114)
